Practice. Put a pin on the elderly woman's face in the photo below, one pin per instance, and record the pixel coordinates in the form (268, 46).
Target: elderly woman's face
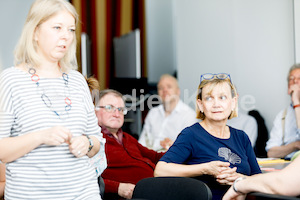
(217, 102)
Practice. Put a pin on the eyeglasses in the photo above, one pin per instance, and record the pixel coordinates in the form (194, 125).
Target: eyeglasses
(111, 109)
(293, 78)
(210, 76)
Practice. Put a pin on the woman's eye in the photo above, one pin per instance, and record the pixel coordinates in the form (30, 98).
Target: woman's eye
(72, 30)
(56, 27)
(223, 97)
(208, 98)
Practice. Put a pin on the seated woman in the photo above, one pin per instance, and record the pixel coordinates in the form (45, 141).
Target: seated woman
(210, 150)
(2, 180)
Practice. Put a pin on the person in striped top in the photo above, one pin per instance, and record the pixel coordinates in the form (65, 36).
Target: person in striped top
(48, 128)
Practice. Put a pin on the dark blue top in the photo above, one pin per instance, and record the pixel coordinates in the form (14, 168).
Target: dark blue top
(195, 145)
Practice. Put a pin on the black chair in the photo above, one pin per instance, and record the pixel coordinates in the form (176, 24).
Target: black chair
(264, 196)
(101, 186)
(171, 188)
(262, 135)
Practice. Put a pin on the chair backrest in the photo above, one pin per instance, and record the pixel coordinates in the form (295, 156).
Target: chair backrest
(265, 196)
(171, 188)
(262, 135)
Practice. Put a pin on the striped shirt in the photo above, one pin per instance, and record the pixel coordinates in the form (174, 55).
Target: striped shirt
(47, 172)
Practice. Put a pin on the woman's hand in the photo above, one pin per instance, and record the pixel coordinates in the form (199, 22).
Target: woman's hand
(227, 176)
(79, 146)
(214, 168)
(55, 136)
(232, 195)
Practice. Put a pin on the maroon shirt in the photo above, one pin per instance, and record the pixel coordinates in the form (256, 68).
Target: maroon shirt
(127, 160)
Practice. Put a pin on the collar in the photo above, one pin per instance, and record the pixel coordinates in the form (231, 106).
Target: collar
(177, 108)
(108, 133)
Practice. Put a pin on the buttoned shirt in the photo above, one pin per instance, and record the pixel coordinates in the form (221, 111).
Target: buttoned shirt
(158, 126)
(291, 130)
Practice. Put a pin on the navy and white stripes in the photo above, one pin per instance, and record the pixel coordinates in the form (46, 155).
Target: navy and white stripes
(47, 172)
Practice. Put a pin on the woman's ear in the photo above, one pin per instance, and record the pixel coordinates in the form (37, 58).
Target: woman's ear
(234, 103)
(200, 105)
(35, 34)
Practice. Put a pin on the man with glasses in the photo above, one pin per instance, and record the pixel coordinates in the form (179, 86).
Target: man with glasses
(127, 160)
(163, 123)
(285, 134)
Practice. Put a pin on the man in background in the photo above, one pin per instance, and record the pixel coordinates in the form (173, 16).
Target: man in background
(285, 134)
(164, 122)
(127, 160)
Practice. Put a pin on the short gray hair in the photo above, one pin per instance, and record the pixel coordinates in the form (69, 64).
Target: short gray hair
(293, 67)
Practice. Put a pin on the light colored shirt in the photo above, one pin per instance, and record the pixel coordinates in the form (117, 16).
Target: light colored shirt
(246, 123)
(157, 126)
(291, 131)
(48, 172)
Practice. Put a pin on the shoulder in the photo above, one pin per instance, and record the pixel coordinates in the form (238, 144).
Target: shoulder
(238, 134)
(78, 77)
(12, 76)
(183, 106)
(192, 129)
(8, 72)
(76, 74)
(155, 110)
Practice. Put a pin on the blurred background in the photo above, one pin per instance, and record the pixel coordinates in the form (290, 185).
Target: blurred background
(129, 44)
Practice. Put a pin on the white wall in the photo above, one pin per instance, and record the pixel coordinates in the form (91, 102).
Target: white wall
(12, 17)
(161, 41)
(250, 39)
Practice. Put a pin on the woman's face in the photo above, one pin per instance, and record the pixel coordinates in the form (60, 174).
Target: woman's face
(55, 36)
(217, 102)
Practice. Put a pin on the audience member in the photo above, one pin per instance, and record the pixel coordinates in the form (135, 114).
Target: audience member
(2, 180)
(48, 125)
(246, 123)
(127, 160)
(283, 182)
(210, 150)
(284, 138)
(164, 122)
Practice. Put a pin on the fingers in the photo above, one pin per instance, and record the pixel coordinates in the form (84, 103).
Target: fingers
(65, 134)
(222, 164)
(55, 135)
(229, 170)
(125, 190)
(231, 194)
(226, 179)
(79, 146)
(227, 176)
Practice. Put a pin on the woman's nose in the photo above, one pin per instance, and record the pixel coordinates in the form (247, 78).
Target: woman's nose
(215, 102)
(66, 34)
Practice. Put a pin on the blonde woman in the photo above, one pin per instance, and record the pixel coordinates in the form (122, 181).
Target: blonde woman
(49, 130)
(210, 150)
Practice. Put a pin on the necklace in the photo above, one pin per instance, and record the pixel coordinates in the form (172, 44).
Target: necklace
(47, 101)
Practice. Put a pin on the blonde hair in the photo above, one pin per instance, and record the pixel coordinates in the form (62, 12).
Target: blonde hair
(41, 11)
(213, 83)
